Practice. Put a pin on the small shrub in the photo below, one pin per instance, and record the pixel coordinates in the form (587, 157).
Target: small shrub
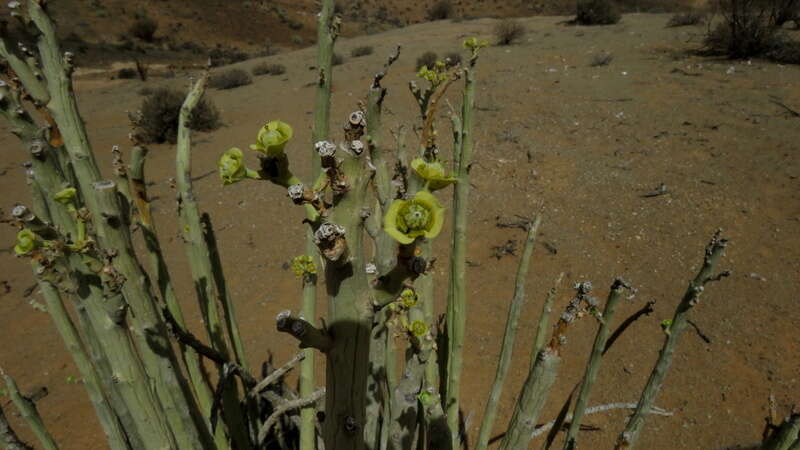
(427, 59)
(269, 48)
(508, 31)
(746, 29)
(686, 19)
(230, 79)
(364, 50)
(222, 56)
(192, 47)
(126, 73)
(160, 110)
(297, 39)
(440, 10)
(146, 90)
(784, 50)
(144, 28)
(336, 59)
(782, 11)
(142, 69)
(596, 12)
(452, 59)
(601, 59)
(269, 69)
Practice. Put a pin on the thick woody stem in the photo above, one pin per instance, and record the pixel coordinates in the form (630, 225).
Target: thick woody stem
(507, 348)
(714, 251)
(27, 409)
(308, 335)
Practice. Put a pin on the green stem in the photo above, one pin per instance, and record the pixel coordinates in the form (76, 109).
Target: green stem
(507, 348)
(787, 436)
(457, 299)
(45, 179)
(327, 32)
(149, 331)
(308, 414)
(28, 411)
(8, 438)
(218, 325)
(716, 248)
(544, 318)
(350, 318)
(593, 366)
(163, 280)
(114, 431)
(322, 110)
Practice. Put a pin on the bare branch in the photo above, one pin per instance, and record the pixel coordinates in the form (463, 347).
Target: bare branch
(282, 409)
(276, 375)
(598, 409)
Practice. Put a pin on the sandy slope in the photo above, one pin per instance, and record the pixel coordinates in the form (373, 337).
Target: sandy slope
(586, 141)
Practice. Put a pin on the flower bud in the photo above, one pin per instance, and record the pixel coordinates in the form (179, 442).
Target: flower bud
(27, 241)
(231, 166)
(433, 173)
(66, 196)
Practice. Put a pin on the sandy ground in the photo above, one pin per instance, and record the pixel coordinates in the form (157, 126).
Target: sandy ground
(586, 141)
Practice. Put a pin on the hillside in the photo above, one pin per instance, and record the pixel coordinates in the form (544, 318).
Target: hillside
(98, 31)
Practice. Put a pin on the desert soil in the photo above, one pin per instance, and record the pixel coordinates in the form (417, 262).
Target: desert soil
(588, 143)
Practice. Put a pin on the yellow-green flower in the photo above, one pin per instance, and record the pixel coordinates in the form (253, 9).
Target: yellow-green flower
(474, 44)
(418, 328)
(303, 265)
(433, 173)
(408, 298)
(232, 168)
(426, 398)
(436, 74)
(27, 241)
(66, 196)
(272, 137)
(408, 219)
